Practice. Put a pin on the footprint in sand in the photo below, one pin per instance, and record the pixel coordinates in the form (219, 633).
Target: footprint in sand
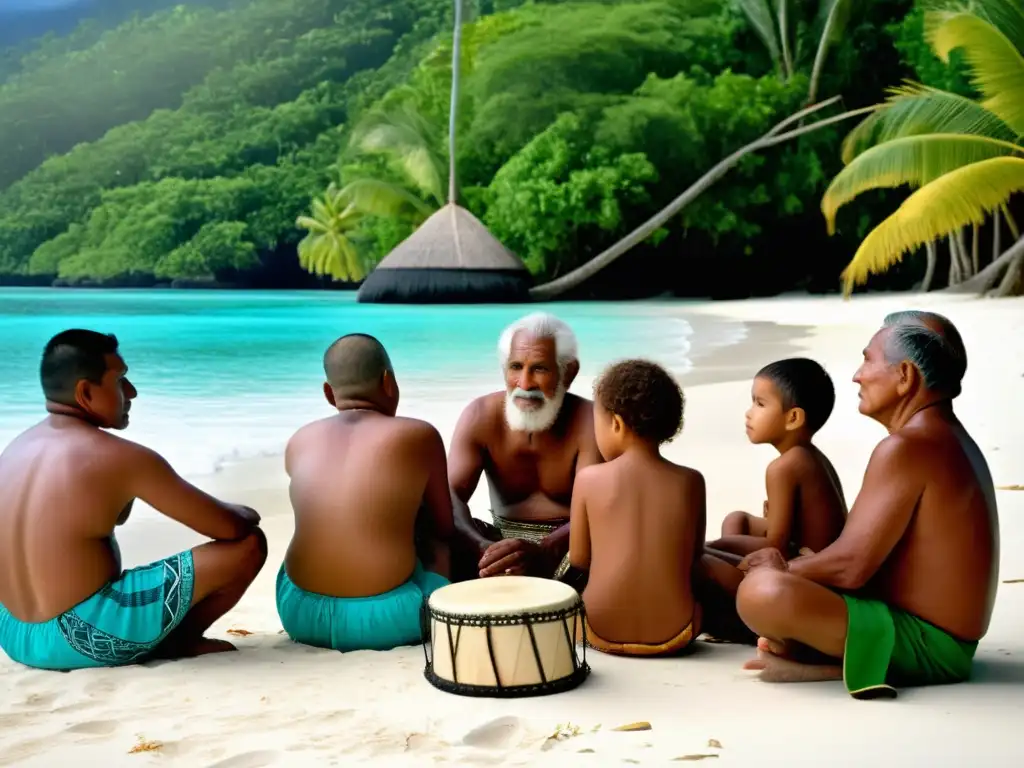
(94, 727)
(497, 734)
(247, 760)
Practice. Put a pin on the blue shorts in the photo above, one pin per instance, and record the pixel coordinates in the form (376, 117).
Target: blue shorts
(376, 623)
(120, 624)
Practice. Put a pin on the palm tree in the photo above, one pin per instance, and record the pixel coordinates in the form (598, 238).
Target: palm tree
(328, 249)
(776, 135)
(771, 21)
(965, 157)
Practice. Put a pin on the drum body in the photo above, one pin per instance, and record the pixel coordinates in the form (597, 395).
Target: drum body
(504, 637)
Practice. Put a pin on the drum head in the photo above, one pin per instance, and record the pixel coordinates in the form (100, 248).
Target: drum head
(503, 595)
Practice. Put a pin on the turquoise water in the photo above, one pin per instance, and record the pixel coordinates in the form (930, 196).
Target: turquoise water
(229, 375)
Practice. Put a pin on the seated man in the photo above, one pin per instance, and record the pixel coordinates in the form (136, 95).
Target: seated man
(364, 483)
(530, 440)
(638, 520)
(805, 511)
(64, 601)
(906, 592)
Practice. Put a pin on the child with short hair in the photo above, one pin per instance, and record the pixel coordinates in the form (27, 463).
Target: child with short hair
(805, 511)
(637, 521)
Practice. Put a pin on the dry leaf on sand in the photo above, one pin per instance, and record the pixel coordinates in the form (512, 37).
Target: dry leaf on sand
(145, 746)
(642, 726)
(693, 757)
(239, 632)
(714, 743)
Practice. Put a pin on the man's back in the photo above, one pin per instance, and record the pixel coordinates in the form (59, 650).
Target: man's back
(357, 484)
(945, 568)
(644, 532)
(56, 547)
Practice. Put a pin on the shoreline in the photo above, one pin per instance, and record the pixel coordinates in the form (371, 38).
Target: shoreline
(279, 703)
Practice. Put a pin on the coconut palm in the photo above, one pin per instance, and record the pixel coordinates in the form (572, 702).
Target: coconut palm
(772, 22)
(328, 249)
(964, 157)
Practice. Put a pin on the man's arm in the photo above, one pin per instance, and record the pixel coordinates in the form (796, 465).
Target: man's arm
(579, 528)
(465, 465)
(884, 508)
(154, 481)
(557, 541)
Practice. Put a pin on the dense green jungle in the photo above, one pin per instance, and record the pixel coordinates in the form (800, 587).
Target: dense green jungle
(157, 143)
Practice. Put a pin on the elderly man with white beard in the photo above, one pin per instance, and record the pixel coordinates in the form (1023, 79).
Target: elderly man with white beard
(530, 440)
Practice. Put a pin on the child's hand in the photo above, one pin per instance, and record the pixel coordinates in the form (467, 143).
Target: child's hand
(764, 509)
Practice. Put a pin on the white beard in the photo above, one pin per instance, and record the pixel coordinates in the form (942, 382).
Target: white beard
(539, 420)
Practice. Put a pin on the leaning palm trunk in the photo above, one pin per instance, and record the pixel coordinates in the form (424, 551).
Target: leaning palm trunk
(956, 276)
(990, 275)
(774, 136)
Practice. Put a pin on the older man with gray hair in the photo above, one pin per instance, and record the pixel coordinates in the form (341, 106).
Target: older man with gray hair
(530, 440)
(903, 596)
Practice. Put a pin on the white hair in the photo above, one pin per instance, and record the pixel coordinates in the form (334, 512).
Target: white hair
(541, 325)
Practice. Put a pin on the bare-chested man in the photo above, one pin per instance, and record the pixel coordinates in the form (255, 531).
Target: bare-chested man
(365, 485)
(530, 440)
(906, 592)
(64, 601)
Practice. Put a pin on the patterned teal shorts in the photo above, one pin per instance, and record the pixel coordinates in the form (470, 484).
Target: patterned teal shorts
(120, 624)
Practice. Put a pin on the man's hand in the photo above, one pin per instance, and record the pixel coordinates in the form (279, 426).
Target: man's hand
(248, 514)
(769, 558)
(510, 557)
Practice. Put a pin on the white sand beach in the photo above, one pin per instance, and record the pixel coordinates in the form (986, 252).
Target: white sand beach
(278, 703)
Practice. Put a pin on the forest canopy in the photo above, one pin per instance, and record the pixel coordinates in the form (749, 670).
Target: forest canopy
(181, 142)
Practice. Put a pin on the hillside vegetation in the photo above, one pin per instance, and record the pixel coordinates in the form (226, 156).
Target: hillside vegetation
(181, 143)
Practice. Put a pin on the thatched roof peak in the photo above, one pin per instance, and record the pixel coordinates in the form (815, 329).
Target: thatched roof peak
(452, 238)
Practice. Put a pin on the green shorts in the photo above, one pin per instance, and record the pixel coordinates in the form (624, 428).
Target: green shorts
(887, 647)
(121, 624)
(375, 623)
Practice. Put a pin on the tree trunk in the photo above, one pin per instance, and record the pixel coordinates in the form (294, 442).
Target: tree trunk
(975, 256)
(787, 58)
(775, 136)
(822, 53)
(996, 234)
(1012, 279)
(955, 276)
(990, 275)
(929, 272)
(965, 255)
(454, 109)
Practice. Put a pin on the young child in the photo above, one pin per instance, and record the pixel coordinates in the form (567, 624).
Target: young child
(637, 522)
(805, 511)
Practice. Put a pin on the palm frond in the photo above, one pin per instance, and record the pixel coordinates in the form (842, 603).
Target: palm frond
(1005, 15)
(759, 14)
(914, 110)
(913, 160)
(965, 196)
(404, 135)
(382, 198)
(997, 65)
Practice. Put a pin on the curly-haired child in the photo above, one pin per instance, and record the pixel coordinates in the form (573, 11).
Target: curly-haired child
(637, 521)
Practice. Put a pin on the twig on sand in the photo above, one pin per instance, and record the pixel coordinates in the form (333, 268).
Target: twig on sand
(1013, 581)
(1010, 487)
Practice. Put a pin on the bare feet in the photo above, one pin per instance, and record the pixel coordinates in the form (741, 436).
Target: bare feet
(776, 669)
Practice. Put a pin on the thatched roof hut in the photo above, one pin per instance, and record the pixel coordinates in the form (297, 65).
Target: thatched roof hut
(450, 259)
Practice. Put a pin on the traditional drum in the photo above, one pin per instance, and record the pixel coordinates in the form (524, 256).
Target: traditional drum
(505, 636)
